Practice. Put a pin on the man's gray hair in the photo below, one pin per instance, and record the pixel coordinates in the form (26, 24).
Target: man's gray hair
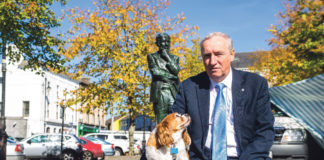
(218, 34)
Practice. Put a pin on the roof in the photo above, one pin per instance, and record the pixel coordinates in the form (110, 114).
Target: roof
(115, 118)
(304, 102)
(243, 60)
(82, 81)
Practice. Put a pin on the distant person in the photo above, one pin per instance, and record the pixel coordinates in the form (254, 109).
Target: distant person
(230, 109)
(164, 68)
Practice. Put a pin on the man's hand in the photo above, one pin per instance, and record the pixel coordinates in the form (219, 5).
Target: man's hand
(165, 55)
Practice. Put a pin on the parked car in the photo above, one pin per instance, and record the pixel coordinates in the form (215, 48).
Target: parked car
(120, 141)
(49, 146)
(91, 150)
(290, 138)
(15, 151)
(107, 148)
(137, 146)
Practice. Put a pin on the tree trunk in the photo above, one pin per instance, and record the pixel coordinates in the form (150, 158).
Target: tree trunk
(131, 131)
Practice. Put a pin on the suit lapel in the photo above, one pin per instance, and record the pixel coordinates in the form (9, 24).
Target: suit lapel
(159, 61)
(203, 102)
(238, 96)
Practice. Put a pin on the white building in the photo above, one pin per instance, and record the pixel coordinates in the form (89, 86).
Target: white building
(32, 102)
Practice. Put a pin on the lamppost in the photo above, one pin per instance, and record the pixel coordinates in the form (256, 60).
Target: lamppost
(144, 140)
(62, 116)
(99, 117)
(3, 134)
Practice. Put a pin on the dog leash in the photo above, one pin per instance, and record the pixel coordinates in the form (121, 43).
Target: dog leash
(174, 152)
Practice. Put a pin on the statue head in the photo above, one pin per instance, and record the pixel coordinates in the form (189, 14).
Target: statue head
(163, 41)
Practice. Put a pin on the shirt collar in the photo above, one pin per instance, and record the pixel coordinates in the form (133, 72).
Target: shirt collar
(227, 81)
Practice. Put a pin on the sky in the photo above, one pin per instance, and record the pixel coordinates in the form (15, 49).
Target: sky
(245, 21)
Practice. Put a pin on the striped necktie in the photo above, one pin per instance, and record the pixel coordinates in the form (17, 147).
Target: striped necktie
(219, 148)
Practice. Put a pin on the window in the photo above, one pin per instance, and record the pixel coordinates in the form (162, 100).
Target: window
(277, 112)
(83, 141)
(57, 91)
(124, 124)
(103, 137)
(66, 138)
(121, 137)
(26, 108)
(48, 130)
(57, 111)
(92, 136)
(38, 139)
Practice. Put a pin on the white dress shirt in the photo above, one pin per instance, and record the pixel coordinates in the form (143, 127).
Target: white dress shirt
(233, 149)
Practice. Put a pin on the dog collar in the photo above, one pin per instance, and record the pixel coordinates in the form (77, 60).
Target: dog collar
(174, 152)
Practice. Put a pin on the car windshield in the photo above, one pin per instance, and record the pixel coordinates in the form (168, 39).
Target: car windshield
(97, 140)
(277, 112)
(83, 141)
(12, 138)
(78, 140)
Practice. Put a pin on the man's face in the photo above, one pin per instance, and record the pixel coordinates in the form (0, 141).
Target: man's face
(163, 43)
(217, 58)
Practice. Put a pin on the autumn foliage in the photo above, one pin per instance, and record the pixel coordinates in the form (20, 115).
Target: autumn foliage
(110, 45)
(297, 46)
(25, 33)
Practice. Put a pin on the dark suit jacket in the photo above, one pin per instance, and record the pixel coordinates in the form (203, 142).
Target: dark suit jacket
(253, 119)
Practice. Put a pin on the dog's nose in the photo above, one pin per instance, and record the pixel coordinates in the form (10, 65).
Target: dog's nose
(186, 114)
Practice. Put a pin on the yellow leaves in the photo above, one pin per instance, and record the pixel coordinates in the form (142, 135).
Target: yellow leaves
(272, 30)
(304, 17)
(112, 48)
(118, 22)
(296, 42)
(93, 18)
(182, 19)
(149, 13)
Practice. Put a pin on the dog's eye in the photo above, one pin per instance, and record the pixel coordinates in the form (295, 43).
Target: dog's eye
(177, 115)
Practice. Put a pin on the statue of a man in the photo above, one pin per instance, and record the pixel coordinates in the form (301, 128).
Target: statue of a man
(164, 68)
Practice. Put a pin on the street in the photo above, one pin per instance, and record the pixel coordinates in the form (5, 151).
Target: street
(122, 157)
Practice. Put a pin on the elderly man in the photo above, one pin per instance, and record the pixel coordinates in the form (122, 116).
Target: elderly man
(230, 109)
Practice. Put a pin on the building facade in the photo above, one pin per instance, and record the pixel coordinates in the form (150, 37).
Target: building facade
(122, 123)
(33, 104)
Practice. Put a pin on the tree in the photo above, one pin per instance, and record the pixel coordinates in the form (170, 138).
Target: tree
(192, 61)
(110, 45)
(25, 33)
(297, 45)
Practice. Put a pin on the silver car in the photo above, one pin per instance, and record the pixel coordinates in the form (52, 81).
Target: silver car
(49, 146)
(15, 151)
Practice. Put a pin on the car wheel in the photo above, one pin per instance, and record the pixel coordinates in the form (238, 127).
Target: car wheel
(118, 152)
(87, 155)
(68, 156)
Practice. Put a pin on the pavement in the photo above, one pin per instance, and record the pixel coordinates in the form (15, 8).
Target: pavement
(122, 157)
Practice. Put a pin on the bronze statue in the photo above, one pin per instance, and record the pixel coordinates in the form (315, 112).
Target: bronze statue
(164, 68)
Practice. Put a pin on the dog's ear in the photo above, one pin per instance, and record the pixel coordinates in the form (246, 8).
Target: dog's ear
(186, 138)
(164, 135)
